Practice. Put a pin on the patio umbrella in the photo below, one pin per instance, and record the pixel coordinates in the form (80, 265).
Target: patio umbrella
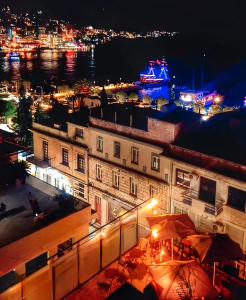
(183, 218)
(181, 279)
(218, 247)
(183, 230)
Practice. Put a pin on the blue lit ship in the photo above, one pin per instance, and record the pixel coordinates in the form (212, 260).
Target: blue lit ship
(157, 74)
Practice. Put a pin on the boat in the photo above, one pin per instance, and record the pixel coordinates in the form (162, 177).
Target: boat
(14, 56)
(157, 74)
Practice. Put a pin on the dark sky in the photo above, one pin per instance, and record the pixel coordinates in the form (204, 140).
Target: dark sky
(187, 15)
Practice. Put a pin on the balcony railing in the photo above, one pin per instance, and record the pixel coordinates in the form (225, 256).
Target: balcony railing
(213, 210)
(190, 194)
(88, 256)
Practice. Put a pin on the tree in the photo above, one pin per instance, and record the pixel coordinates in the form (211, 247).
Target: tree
(161, 102)
(147, 100)
(40, 115)
(58, 112)
(215, 109)
(121, 97)
(178, 103)
(21, 170)
(133, 97)
(7, 110)
(198, 107)
(24, 119)
(104, 97)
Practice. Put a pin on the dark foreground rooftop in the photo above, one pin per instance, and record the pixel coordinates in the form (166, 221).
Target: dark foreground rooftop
(19, 220)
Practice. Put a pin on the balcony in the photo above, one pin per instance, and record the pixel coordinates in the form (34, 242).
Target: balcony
(213, 210)
(191, 198)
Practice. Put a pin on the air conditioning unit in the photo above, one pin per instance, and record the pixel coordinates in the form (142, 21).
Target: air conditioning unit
(218, 227)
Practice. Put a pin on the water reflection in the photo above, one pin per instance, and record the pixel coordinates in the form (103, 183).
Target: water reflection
(5, 65)
(92, 65)
(155, 93)
(15, 70)
(49, 60)
(29, 66)
(70, 62)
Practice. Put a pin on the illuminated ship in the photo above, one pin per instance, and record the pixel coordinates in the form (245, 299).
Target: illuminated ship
(14, 56)
(157, 73)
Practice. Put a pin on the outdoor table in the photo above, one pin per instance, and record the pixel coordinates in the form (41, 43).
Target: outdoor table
(135, 253)
(139, 272)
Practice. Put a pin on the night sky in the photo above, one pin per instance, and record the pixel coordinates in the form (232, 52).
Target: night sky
(179, 15)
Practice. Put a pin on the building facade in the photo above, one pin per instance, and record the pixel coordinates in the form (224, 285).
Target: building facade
(116, 162)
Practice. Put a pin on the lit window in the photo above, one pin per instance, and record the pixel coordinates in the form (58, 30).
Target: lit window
(154, 191)
(133, 187)
(116, 179)
(36, 263)
(81, 189)
(45, 150)
(135, 155)
(117, 149)
(99, 144)
(98, 172)
(65, 157)
(155, 162)
(79, 132)
(81, 163)
(183, 178)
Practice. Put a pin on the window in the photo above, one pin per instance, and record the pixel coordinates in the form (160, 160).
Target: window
(81, 163)
(133, 187)
(64, 247)
(116, 179)
(7, 280)
(45, 150)
(81, 189)
(155, 162)
(154, 191)
(99, 144)
(98, 207)
(135, 155)
(117, 149)
(79, 132)
(65, 157)
(98, 172)
(237, 199)
(207, 190)
(36, 263)
(183, 178)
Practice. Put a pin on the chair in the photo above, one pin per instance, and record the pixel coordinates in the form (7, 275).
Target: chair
(143, 245)
(104, 286)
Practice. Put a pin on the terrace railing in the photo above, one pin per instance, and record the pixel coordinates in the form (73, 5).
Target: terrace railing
(82, 260)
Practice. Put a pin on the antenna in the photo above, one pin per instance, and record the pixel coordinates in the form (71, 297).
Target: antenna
(202, 70)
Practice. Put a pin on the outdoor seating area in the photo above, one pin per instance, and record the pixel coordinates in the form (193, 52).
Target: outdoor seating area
(173, 261)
